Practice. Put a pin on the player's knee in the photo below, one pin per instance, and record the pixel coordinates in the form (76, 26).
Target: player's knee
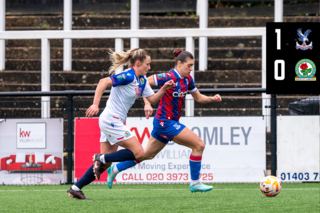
(200, 146)
(149, 156)
(139, 154)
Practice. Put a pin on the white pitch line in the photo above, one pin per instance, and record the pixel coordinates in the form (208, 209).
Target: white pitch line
(24, 190)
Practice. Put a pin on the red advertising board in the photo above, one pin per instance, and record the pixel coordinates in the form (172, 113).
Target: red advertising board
(86, 143)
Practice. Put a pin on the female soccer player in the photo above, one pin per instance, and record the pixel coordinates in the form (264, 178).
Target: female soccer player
(126, 88)
(166, 126)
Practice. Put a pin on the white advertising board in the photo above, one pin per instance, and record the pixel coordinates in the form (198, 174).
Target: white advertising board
(31, 151)
(298, 148)
(235, 151)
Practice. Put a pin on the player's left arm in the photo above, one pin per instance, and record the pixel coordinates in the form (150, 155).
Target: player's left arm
(203, 99)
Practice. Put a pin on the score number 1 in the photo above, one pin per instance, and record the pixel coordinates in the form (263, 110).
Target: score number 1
(277, 62)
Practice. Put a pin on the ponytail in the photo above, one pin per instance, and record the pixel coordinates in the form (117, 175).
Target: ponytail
(129, 58)
(182, 55)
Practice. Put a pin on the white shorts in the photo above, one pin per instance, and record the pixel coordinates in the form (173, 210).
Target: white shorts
(113, 130)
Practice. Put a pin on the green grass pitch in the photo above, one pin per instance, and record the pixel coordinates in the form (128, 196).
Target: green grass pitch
(294, 197)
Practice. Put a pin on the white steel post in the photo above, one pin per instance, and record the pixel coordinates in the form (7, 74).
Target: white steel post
(278, 10)
(203, 41)
(119, 48)
(67, 43)
(134, 21)
(189, 104)
(2, 28)
(265, 98)
(45, 77)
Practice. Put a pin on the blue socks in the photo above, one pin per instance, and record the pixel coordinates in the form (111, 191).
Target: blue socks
(126, 165)
(87, 178)
(195, 166)
(119, 156)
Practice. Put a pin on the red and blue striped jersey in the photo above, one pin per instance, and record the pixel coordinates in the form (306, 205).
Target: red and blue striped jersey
(171, 102)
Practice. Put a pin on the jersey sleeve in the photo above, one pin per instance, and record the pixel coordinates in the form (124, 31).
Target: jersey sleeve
(191, 86)
(162, 78)
(121, 79)
(147, 90)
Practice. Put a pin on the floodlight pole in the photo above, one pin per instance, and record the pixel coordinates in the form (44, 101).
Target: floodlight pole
(203, 41)
(45, 77)
(273, 135)
(278, 17)
(134, 22)
(2, 29)
(189, 103)
(67, 42)
(119, 48)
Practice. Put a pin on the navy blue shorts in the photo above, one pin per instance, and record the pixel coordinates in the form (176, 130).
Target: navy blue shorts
(165, 130)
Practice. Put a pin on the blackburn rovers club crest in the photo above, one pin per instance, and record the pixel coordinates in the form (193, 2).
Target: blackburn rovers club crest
(305, 70)
(304, 38)
(141, 80)
(127, 134)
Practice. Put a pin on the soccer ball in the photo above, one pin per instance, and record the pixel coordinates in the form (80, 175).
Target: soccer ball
(270, 186)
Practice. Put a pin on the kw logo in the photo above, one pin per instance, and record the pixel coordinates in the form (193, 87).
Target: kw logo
(24, 134)
(144, 133)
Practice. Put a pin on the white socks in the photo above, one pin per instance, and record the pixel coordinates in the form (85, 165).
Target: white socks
(115, 170)
(75, 188)
(193, 182)
(102, 159)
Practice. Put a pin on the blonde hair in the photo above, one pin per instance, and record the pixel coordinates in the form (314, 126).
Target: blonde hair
(120, 59)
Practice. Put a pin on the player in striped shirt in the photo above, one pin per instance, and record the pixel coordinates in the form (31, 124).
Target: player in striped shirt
(166, 126)
(126, 88)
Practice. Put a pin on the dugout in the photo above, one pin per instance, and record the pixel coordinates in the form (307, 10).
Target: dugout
(306, 106)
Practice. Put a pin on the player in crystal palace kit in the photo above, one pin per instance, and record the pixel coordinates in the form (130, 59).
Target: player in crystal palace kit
(127, 87)
(166, 126)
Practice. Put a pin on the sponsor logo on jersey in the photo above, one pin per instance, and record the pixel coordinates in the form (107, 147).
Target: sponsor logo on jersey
(161, 76)
(305, 70)
(304, 38)
(179, 94)
(176, 126)
(121, 77)
(127, 134)
(138, 92)
(141, 80)
(128, 74)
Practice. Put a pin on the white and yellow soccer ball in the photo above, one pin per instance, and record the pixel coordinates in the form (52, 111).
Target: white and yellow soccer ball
(270, 186)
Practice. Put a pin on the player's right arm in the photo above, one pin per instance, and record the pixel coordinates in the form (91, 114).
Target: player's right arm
(102, 86)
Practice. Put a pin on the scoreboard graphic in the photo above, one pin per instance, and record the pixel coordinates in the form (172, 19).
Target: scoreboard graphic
(293, 58)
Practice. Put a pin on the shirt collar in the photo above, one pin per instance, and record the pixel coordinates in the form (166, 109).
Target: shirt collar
(175, 69)
(135, 73)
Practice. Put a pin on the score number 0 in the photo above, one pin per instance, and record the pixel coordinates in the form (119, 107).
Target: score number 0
(277, 62)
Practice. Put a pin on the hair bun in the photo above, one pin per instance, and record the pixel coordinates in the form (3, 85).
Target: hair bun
(177, 53)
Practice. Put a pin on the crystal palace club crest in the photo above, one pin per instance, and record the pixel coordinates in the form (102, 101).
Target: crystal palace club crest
(303, 37)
